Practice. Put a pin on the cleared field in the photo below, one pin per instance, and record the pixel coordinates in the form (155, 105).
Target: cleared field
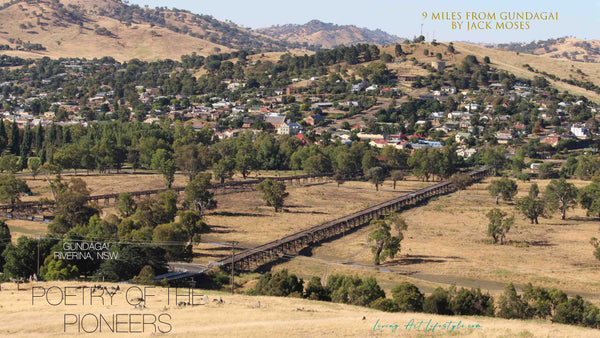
(446, 242)
(102, 184)
(245, 218)
(237, 316)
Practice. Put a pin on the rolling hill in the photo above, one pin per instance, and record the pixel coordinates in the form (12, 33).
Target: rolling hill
(328, 35)
(96, 28)
(516, 63)
(562, 48)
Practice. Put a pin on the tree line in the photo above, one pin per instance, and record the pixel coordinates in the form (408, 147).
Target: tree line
(533, 303)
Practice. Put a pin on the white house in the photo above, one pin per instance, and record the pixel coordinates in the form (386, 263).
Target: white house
(290, 128)
(579, 130)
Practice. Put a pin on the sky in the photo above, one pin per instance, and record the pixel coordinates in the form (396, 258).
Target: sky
(404, 18)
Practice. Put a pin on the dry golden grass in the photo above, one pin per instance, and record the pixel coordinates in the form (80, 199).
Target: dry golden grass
(103, 184)
(513, 63)
(136, 41)
(19, 227)
(447, 242)
(246, 316)
(245, 218)
(568, 45)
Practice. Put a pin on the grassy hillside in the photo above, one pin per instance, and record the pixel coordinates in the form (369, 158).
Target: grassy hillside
(565, 48)
(328, 35)
(85, 28)
(513, 62)
(240, 315)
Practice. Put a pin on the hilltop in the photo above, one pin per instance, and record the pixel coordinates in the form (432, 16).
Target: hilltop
(328, 35)
(562, 48)
(89, 28)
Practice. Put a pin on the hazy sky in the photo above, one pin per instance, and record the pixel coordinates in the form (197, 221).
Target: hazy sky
(403, 17)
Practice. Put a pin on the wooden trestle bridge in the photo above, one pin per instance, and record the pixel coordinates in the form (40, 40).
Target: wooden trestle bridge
(36, 209)
(252, 258)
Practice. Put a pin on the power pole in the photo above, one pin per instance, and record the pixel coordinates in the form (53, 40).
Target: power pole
(38, 256)
(232, 265)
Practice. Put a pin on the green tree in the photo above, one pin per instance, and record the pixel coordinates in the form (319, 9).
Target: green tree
(58, 270)
(245, 160)
(384, 304)
(596, 244)
(376, 175)
(422, 163)
(145, 277)
(126, 204)
(274, 193)
(317, 164)
(198, 195)
(408, 297)
(315, 290)
(192, 223)
(5, 239)
(396, 175)
(531, 208)
(460, 181)
(398, 50)
(570, 312)
(561, 195)
(14, 144)
(534, 191)
(511, 305)
(162, 160)
(71, 207)
(9, 163)
(173, 238)
(354, 290)
(504, 187)
(587, 166)
(21, 259)
(279, 284)
(339, 178)
(538, 302)
(383, 243)
(472, 303)
(11, 188)
(495, 158)
(438, 302)
(34, 164)
(499, 225)
(131, 260)
(224, 168)
(192, 159)
(589, 198)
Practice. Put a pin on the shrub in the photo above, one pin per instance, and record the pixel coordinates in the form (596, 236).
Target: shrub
(472, 303)
(408, 297)
(384, 304)
(438, 302)
(511, 305)
(315, 290)
(279, 284)
(353, 290)
(569, 312)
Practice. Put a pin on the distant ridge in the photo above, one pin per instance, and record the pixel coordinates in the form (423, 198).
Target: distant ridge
(328, 35)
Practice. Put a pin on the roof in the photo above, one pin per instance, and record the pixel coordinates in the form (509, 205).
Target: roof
(275, 119)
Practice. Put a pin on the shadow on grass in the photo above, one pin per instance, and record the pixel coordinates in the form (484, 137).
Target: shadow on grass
(529, 243)
(236, 214)
(218, 229)
(305, 212)
(418, 259)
